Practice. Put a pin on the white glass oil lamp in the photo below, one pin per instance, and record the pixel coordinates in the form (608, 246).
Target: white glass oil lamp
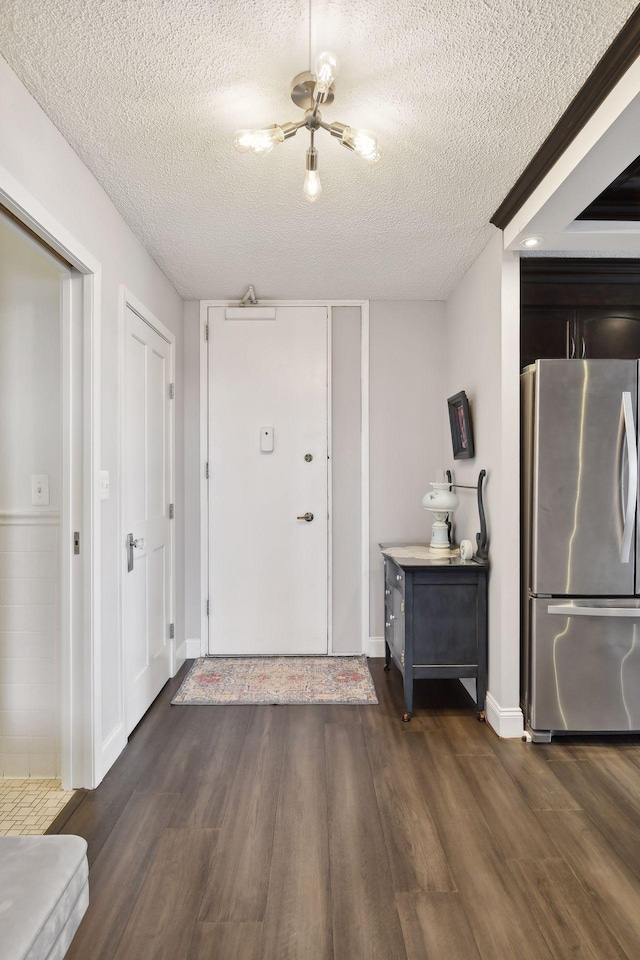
(441, 501)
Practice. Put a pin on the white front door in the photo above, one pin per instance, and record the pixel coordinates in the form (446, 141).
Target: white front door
(147, 483)
(268, 468)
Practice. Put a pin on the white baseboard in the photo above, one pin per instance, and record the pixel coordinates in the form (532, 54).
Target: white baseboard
(508, 722)
(376, 647)
(193, 649)
(181, 655)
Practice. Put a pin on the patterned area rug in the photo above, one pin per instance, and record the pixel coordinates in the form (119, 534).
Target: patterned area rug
(219, 680)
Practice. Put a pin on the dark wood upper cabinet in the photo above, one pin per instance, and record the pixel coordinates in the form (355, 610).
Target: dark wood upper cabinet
(579, 308)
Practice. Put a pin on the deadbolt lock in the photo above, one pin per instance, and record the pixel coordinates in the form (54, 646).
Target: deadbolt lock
(308, 457)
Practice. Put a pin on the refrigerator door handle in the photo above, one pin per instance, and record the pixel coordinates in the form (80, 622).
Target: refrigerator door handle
(566, 611)
(632, 491)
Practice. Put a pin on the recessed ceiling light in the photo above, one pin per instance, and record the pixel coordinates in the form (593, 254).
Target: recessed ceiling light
(531, 242)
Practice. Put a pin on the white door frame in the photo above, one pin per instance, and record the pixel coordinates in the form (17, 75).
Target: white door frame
(364, 458)
(82, 762)
(128, 300)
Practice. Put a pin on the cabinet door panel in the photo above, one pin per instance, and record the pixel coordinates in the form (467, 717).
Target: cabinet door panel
(546, 333)
(445, 623)
(608, 333)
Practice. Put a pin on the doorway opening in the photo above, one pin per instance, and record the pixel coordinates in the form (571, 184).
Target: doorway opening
(30, 504)
(61, 382)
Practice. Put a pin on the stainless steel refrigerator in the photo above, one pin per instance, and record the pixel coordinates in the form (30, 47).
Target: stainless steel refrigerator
(581, 575)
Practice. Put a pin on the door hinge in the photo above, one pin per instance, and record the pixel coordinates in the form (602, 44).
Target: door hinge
(172, 631)
(172, 391)
(206, 470)
(206, 331)
(171, 511)
(207, 606)
(76, 542)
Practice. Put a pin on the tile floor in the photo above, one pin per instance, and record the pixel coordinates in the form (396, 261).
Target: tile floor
(28, 807)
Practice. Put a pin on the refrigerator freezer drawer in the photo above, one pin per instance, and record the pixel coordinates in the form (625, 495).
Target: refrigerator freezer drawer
(585, 665)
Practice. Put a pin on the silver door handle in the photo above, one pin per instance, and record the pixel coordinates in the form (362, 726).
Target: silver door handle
(572, 348)
(131, 544)
(632, 492)
(563, 611)
(307, 516)
(583, 352)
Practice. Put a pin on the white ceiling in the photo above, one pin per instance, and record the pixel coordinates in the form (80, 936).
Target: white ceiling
(461, 94)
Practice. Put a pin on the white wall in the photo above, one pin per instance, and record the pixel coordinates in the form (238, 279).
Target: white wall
(482, 338)
(192, 469)
(407, 391)
(30, 442)
(39, 158)
(346, 471)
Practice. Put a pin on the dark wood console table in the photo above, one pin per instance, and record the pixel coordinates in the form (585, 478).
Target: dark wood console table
(436, 620)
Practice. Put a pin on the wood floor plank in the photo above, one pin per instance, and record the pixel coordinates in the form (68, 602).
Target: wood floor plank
(119, 873)
(297, 923)
(498, 914)
(341, 713)
(226, 941)
(517, 832)
(565, 914)
(535, 777)
(469, 738)
(608, 789)
(162, 921)
(364, 913)
(611, 885)
(239, 879)
(435, 925)
(417, 860)
(185, 743)
(206, 791)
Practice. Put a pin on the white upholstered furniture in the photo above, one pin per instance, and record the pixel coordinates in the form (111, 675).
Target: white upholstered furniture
(44, 892)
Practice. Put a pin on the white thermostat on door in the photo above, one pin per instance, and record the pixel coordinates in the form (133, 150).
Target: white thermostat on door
(266, 439)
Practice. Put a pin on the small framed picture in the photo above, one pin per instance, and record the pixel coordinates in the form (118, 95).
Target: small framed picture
(461, 428)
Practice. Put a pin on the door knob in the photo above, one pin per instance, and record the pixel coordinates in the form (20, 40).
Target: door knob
(307, 516)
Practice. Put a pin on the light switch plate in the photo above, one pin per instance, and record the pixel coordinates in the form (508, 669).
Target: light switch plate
(40, 489)
(104, 484)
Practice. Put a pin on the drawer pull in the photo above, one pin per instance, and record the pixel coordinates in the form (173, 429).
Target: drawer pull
(387, 592)
(399, 576)
(387, 624)
(392, 616)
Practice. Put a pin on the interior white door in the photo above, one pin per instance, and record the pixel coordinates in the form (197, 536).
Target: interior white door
(268, 468)
(147, 467)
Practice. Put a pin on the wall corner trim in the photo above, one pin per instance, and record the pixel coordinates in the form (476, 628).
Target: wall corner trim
(508, 722)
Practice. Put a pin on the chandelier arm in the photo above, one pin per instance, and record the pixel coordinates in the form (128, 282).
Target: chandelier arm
(290, 129)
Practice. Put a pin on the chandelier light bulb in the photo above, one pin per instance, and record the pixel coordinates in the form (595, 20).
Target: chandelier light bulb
(259, 142)
(312, 185)
(326, 68)
(364, 143)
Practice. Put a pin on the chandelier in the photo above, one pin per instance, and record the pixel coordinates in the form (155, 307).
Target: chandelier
(308, 91)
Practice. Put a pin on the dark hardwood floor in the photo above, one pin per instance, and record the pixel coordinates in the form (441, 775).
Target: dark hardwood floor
(340, 833)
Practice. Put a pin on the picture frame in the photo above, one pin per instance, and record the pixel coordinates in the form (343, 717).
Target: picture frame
(461, 427)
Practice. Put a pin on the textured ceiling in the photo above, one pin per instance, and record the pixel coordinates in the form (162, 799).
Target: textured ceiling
(461, 93)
